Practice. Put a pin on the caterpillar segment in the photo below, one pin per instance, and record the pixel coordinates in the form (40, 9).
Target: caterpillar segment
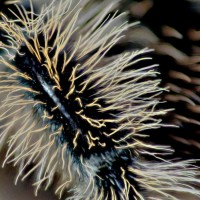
(73, 111)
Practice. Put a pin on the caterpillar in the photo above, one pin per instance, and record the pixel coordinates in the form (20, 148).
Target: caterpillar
(74, 114)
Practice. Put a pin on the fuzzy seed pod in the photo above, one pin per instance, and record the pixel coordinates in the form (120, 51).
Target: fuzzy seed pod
(74, 114)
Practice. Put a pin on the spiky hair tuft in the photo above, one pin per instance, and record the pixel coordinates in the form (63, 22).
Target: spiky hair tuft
(71, 110)
(176, 47)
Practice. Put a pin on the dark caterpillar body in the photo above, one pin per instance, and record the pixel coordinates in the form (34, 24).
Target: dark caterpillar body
(73, 110)
(63, 110)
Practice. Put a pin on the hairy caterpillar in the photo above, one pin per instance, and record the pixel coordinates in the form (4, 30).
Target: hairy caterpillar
(74, 112)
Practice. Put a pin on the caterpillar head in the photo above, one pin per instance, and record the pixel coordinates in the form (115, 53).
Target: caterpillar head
(76, 111)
